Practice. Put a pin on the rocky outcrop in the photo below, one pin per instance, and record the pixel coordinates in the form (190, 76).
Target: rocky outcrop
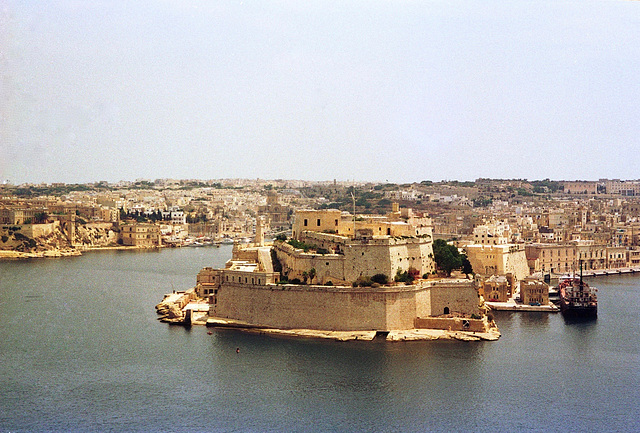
(55, 242)
(170, 309)
(169, 312)
(95, 236)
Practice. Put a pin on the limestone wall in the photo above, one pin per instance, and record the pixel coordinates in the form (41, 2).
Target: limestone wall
(38, 230)
(452, 323)
(454, 297)
(318, 307)
(359, 258)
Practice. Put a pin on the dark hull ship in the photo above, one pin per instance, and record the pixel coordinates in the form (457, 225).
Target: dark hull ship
(577, 298)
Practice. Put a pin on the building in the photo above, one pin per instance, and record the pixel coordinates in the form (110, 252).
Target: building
(400, 241)
(140, 235)
(497, 288)
(251, 289)
(533, 291)
(278, 215)
(551, 258)
(625, 188)
(491, 253)
(580, 187)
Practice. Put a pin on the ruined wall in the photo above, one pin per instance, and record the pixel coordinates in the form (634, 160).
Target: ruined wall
(329, 267)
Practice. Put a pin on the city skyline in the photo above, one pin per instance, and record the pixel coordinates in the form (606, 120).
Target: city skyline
(397, 92)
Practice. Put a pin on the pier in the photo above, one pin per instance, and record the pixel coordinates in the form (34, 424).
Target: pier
(513, 304)
(613, 271)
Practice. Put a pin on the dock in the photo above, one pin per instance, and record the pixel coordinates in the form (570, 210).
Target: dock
(613, 271)
(514, 305)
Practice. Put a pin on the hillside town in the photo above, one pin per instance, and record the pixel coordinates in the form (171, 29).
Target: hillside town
(548, 225)
(512, 236)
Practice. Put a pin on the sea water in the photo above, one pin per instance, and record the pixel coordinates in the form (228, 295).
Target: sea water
(81, 349)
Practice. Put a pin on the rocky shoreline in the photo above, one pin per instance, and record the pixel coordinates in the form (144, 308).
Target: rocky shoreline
(58, 253)
(391, 336)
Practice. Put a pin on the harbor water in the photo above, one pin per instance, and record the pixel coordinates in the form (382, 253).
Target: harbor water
(81, 349)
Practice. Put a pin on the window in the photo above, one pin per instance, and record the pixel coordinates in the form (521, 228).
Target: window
(305, 222)
(318, 222)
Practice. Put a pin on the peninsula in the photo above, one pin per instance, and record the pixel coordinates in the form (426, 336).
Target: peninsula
(339, 276)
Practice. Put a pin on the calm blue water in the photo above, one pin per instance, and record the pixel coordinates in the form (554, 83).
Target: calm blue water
(81, 350)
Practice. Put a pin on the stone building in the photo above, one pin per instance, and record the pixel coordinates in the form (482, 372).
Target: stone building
(140, 235)
(385, 245)
(278, 215)
(490, 252)
(497, 288)
(534, 291)
(249, 291)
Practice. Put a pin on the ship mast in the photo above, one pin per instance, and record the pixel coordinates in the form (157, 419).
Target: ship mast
(581, 283)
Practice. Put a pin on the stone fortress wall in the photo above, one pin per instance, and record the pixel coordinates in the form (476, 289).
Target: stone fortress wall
(248, 290)
(337, 308)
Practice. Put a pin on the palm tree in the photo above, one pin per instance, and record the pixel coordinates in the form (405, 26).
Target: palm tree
(312, 275)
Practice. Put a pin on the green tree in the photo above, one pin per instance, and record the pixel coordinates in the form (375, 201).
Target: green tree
(40, 218)
(466, 265)
(312, 275)
(447, 257)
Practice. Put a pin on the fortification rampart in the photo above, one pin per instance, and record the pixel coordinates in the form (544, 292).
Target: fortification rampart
(339, 308)
(318, 307)
(356, 258)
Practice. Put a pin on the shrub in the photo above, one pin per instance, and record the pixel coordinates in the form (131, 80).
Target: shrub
(5, 238)
(413, 273)
(363, 282)
(296, 281)
(329, 283)
(380, 279)
(403, 277)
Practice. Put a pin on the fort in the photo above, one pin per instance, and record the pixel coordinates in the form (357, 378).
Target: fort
(346, 277)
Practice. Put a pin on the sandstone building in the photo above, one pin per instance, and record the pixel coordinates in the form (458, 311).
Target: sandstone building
(329, 252)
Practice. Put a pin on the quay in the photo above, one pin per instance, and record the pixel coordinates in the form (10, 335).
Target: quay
(514, 305)
(612, 271)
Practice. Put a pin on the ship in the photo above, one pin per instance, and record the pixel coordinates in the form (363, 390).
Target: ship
(577, 298)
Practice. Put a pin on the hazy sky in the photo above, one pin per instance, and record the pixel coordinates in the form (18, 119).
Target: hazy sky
(367, 90)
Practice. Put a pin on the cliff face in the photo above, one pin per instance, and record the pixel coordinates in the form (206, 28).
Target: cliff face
(15, 238)
(95, 236)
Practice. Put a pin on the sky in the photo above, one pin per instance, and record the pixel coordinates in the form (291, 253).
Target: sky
(382, 91)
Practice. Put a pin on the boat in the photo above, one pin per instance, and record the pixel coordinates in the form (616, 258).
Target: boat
(577, 298)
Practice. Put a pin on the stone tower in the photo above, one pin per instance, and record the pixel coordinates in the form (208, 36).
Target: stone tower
(259, 239)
